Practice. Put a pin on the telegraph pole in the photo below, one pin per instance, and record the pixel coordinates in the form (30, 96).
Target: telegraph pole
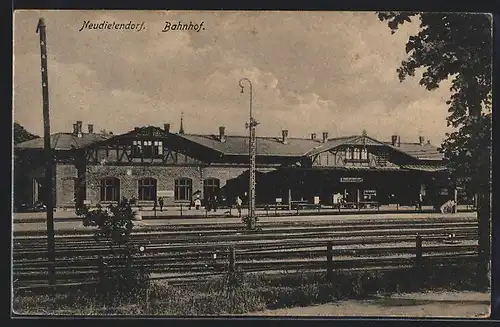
(252, 151)
(48, 154)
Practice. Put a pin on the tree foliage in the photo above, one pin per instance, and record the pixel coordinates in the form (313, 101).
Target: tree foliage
(21, 134)
(455, 47)
(458, 47)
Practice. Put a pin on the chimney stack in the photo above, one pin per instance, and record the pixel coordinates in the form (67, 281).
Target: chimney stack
(91, 128)
(421, 140)
(325, 137)
(166, 128)
(79, 125)
(395, 140)
(222, 134)
(284, 136)
(313, 136)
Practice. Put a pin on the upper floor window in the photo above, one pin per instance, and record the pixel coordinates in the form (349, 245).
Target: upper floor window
(147, 148)
(364, 154)
(356, 154)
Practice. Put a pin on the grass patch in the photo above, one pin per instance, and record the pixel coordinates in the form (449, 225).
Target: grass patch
(240, 293)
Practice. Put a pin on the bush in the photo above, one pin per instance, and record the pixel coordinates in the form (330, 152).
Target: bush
(120, 280)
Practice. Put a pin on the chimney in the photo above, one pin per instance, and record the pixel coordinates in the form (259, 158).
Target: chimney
(75, 129)
(284, 136)
(91, 128)
(79, 124)
(325, 137)
(313, 136)
(222, 134)
(166, 128)
(421, 140)
(394, 140)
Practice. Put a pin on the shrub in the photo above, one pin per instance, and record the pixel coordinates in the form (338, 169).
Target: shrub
(119, 278)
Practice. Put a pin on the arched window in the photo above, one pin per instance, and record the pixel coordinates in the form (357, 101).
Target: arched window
(110, 189)
(147, 189)
(183, 189)
(211, 187)
(356, 154)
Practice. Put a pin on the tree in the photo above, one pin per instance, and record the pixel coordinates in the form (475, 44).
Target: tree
(458, 47)
(21, 134)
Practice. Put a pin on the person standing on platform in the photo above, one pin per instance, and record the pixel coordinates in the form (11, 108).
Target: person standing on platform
(197, 202)
(420, 201)
(214, 203)
(238, 205)
(160, 202)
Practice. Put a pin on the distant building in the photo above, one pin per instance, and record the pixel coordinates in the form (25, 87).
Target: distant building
(151, 162)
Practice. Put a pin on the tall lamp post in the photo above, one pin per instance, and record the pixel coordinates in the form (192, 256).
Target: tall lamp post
(252, 153)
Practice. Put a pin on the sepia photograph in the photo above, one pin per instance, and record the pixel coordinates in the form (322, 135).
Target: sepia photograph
(251, 164)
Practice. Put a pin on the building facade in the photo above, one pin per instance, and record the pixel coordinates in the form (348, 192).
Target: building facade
(151, 162)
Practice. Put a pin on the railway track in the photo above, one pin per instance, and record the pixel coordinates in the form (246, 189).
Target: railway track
(181, 252)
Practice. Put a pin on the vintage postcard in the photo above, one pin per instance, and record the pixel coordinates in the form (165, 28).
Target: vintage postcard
(264, 163)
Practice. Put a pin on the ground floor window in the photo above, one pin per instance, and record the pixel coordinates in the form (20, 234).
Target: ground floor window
(147, 189)
(183, 189)
(211, 187)
(110, 189)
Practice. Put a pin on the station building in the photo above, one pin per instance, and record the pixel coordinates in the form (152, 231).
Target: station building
(151, 162)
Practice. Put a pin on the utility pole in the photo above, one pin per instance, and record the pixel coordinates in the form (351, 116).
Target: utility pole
(49, 202)
(252, 151)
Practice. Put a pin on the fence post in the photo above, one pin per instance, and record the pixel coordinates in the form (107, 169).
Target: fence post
(276, 210)
(329, 260)
(418, 251)
(181, 209)
(232, 259)
(101, 269)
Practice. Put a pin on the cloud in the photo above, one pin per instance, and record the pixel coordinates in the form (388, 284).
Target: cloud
(311, 72)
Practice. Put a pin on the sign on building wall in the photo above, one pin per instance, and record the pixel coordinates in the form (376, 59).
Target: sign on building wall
(351, 179)
(316, 200)
(370, 192)
(279, 200)
(165, 194)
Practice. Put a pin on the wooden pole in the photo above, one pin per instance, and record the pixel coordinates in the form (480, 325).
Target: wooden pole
(232, 259)
(49, 199)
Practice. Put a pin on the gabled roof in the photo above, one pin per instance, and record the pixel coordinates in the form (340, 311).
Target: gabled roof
(238, 145)
(266, 146)
(421, 152)
(345, 140)
(63, 141)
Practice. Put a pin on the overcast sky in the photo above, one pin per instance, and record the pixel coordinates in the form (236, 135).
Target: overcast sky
(311, 72)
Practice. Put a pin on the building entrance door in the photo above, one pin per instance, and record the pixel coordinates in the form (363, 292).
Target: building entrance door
(351, 194)
(38, 191)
